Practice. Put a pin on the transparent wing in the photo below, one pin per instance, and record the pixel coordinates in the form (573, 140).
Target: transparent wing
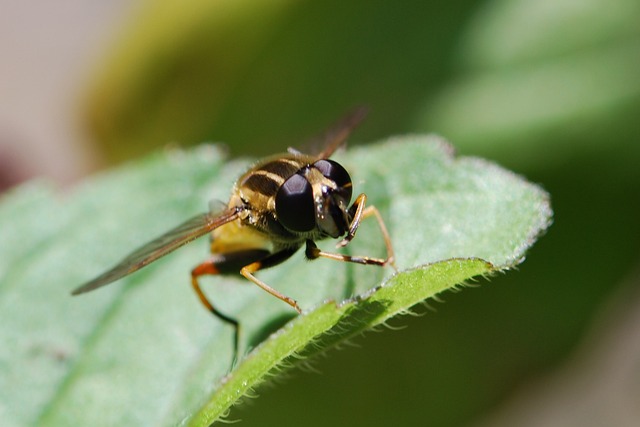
(338, 134)
(168, 242)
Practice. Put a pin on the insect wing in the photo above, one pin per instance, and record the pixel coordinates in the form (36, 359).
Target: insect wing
(157, 248)
(338, 134)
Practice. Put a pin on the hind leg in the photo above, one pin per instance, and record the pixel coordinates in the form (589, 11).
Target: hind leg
(247, 262)
(224, 264)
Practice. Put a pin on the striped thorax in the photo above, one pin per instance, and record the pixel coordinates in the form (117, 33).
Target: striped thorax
(295, 197)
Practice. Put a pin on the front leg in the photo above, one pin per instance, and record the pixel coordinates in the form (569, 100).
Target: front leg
(313, 252)
(360, 213)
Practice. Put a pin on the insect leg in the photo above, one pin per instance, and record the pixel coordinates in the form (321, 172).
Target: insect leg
(360, 213)
(273, 259)
(313, 252)
(224, 264)
(357, 211)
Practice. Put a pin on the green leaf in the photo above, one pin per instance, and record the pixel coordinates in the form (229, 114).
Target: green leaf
(142, 351)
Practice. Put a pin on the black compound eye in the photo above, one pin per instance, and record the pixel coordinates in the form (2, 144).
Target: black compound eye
(335, 172)
(294, 204)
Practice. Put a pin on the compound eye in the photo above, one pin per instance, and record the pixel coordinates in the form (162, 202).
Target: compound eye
(294, 204)
(335, 172)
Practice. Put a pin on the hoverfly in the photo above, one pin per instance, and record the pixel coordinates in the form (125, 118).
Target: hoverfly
(280, 204)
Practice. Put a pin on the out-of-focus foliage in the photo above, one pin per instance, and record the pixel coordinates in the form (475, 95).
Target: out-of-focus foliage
(545, 83)
(263, 74)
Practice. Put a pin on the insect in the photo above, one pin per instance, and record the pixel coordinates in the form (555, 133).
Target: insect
(280, 204)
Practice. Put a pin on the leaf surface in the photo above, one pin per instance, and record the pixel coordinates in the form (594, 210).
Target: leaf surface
(143, 352)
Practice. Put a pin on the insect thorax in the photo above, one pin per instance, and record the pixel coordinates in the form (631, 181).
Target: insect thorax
(256, 190)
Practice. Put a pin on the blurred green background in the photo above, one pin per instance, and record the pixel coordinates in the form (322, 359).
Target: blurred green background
(549, 89)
